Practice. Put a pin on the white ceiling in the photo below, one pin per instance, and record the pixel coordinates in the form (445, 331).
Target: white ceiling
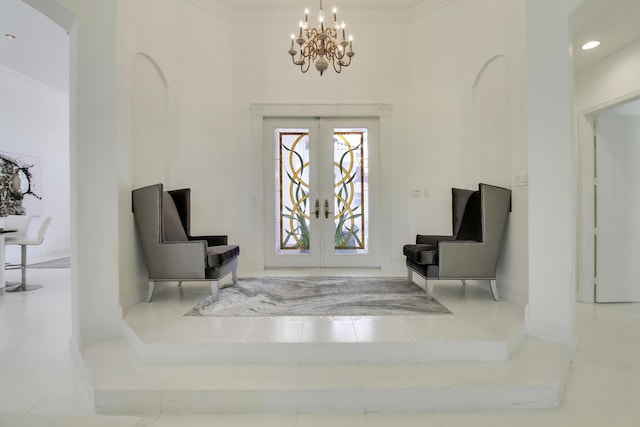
(615, 23)
(41, 48)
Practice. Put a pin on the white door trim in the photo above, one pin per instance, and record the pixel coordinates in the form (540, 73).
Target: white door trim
(586, 195)
(380, 111)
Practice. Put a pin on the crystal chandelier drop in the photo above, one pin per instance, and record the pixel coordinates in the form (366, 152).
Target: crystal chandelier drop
(322, 44)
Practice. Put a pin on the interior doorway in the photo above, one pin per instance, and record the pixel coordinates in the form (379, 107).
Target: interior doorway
(610, 139)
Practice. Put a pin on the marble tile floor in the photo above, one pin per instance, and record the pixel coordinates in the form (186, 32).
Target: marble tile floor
(40, 386)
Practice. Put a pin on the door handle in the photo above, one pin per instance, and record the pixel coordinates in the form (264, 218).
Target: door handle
(326, 208)
(317, 211)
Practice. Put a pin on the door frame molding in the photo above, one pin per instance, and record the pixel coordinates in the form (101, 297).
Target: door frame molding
(261, 111)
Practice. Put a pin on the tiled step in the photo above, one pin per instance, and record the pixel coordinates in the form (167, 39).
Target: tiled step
(399, 346)
(532, 378)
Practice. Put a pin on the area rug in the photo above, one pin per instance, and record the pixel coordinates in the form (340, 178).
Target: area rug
(319, 296)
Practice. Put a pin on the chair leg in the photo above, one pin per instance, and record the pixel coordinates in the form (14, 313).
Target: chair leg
(409, 274)
(22, 285)
(234, 276)
(494, 290)
(152, 287)
(215, 286)
(464, 283)
(23, 264)
(429, 290)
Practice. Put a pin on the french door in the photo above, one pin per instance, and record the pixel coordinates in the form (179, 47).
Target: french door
(321, 192)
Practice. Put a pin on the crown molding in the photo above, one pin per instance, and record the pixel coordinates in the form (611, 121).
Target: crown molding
(426, 7)
(220, 8)
(352, 10)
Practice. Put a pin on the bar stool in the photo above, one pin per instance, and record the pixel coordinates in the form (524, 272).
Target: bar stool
(25, 241)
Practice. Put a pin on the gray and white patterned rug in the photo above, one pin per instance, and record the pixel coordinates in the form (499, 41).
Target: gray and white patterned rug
(319, 296)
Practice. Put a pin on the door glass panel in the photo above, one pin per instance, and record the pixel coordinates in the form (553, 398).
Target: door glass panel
(292, 191)
(351, 191)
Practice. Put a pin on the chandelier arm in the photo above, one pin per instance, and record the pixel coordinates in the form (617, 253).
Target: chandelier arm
(297, 62)
(335, 68)
(339, 54)
(303, 68)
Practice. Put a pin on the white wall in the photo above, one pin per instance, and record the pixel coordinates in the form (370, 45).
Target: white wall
(552, 171)
(94, 165)
(34, 121)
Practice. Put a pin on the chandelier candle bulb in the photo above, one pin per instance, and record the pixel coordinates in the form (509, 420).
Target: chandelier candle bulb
(335, 11)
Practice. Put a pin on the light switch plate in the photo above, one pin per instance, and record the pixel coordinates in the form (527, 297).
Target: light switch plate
(522, 179)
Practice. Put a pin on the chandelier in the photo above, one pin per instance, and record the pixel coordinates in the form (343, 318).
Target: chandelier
(321, 44)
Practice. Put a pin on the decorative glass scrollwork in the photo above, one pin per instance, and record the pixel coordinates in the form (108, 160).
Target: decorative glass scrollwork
(294, 191)
(349, 181)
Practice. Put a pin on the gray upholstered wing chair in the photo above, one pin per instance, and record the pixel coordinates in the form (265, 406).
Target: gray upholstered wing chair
(471, 252)
(163, 222)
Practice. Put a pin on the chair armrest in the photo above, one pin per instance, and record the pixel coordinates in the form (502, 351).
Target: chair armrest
(465, 259)
(423, 239)
(211, 240)
(177, 260)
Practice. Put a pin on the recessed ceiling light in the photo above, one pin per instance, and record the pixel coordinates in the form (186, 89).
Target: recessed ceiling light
(590, 45)
(10, 36)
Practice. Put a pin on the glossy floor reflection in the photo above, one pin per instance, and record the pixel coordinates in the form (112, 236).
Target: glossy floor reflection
(37, 374)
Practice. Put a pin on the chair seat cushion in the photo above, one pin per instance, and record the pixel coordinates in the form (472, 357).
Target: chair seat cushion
(421, 253)
(218, 255)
